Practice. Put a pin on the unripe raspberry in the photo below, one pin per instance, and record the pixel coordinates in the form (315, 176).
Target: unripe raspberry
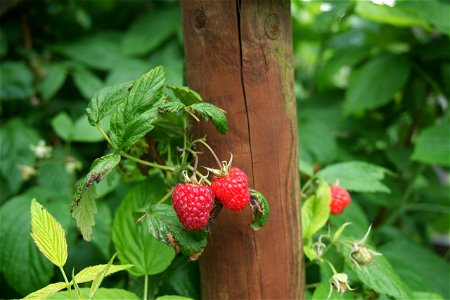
(193, 204)
(340, 199)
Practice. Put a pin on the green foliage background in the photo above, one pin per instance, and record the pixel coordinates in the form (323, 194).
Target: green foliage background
(372, 88)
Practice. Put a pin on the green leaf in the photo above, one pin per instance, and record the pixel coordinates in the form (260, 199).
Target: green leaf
(186, 95)
(90, 273)
(47, 291)
(101, 236)
(184, 277)
(105, 100)
(53, 81)
(356, 176)
(428, 273)
(62, 124)
(316, 210)
(171, 106)
(86, 81)
(48, 234)
(16, 81)
(150, 31)
(100, 276)
(84, 213)
(432, 145)
(101, 294)
(260, 209)
(99, 169)
(54, 175)
(214, 113)
(173, 297)
(133, 243)
(426, 296)
(136, 115)
(313, 149)
(84, 132)
(371, 86)
(321, 293)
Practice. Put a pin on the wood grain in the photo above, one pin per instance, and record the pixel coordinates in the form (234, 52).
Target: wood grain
(239, 56)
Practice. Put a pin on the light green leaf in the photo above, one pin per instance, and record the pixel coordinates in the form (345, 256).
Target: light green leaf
(133, 243)
(173, 297)
(371, 86)
(135, 116)
(53, 81)
(62, 124)
(16, 81)
(105, 100)
(101, 294)
(356, 176)
(90, 273)
(86, 81)
(99, 169)
(84, 132)
(186, 95)
(84, 213)
(47, 291)
(316, 210)
(432, 145)
(426, 296)
(48, 234)
(100, 276)
(150, 31)
(172, 106)
(214, 113)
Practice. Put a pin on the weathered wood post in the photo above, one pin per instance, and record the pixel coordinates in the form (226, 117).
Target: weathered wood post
(239, 56)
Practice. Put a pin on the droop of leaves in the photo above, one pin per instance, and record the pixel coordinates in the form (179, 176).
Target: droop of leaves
(260, 209)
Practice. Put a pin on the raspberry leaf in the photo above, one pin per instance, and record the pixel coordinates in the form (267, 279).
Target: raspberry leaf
(214, 113)
(316, 210)
(186, 95)
(260, 209)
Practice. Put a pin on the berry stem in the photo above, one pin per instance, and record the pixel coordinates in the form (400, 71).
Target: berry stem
(203, 142)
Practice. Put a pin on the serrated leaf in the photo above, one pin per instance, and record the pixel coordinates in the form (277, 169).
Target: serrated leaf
(105, 100)
(86, 81)
(100, 276)
(99, 169)
(371, 86)
(136, 115)
(163, 224)
(89, 273)
(432, 145)
(186, 95)
(54, 79)
(172, 106)
(316, 210)
(48, 234)
(47, 291)
(101, 294)
(260, 209)
(356, 176)
(84, 213)
(133, 243)
(214, 113)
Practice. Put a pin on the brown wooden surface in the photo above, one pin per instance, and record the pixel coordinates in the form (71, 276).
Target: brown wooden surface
(239, 56)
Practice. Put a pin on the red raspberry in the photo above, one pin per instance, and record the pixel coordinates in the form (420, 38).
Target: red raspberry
(193, 204)
(340, 198)
(231, 189)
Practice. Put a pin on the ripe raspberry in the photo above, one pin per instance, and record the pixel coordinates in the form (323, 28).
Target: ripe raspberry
(193, 204)
(340, 198)
(231, 189)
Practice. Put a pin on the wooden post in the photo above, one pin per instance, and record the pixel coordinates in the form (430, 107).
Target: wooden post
(239, 56)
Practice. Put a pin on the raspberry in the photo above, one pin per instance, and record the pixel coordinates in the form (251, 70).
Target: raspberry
(231, 189)
(193, 204)
(340, 198)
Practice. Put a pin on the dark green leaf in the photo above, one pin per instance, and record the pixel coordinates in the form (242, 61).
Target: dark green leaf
(214, 113)
(84, 132)
(101, 235)
(132, 241)
(149, 31)
(100, 294)
(317, 142)
(186, 95)
(316, 210)
(99, 169)
(432, 145)
(128, 71)
(84, 213)
(171, 106)
(86, 81)
(105, 100)
(54, 174)
(184, 277)
(16, 81)
(135, 116)
(260, 209)
(371, 86)
(356, 176)
(53, 81)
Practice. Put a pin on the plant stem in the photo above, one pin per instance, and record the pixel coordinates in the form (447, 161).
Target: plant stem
(147, 163)
(202, 141)
(104, 134)
(145, 287)
(165, 197)
(67, 281)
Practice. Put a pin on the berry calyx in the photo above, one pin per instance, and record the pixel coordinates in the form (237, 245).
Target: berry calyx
(231, 188)
(340, 199)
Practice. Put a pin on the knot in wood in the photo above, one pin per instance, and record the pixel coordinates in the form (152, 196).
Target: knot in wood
(272, 26)
(200, 19)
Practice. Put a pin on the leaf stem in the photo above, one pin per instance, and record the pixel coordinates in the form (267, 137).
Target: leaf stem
(104, 134)
(147, 163)
(145, 287)
(165, 197)
(67, 281)
(199, 174)
(203, 142)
